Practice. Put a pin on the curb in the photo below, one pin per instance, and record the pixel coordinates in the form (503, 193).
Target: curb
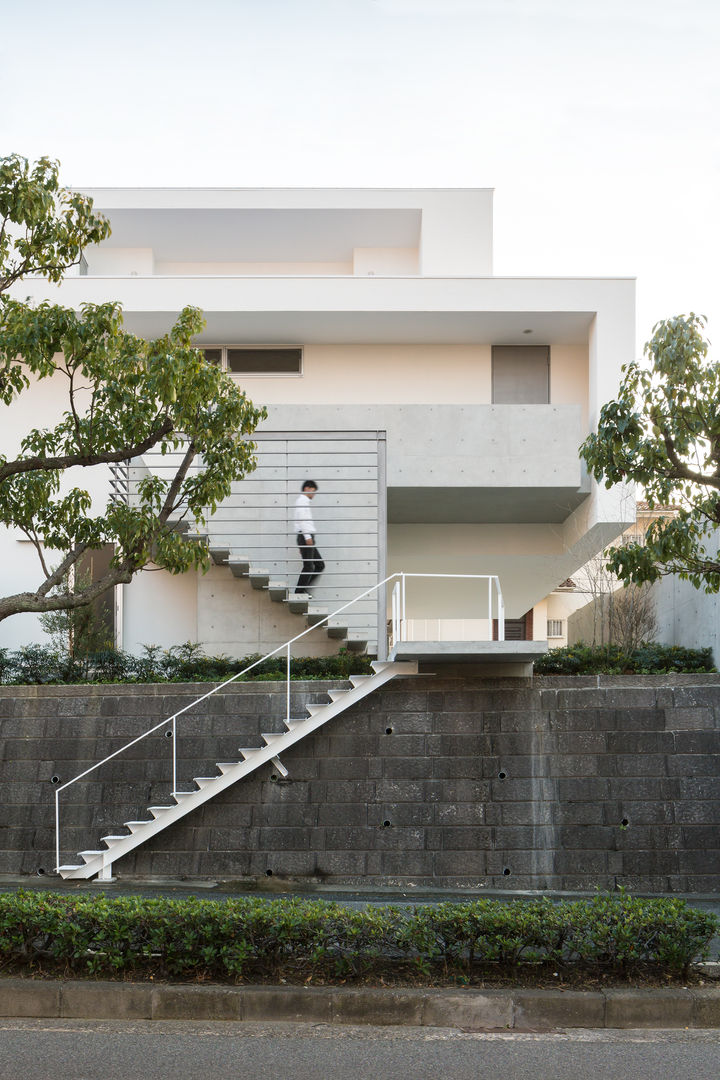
(467, 1010)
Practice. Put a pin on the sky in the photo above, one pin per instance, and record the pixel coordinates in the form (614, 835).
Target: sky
(595, 122)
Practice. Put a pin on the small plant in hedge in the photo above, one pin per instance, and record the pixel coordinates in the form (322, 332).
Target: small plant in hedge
(650, 658)
(251, 938)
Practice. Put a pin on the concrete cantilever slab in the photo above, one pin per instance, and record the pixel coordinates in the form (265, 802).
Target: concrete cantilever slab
(480, 653)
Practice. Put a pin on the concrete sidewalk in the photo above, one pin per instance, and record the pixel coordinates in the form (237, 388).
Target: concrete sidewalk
(467, 1010)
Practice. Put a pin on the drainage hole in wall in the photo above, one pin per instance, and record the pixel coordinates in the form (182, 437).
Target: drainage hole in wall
(268, 873)
(40, 871)
(387, 824)
(54, 779)
(388, 731)
(273, 777)
(502, 775)
(168, 734)
(506, 871)
(625, 823)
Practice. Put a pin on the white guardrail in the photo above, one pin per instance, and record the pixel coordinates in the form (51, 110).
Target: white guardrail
(399, 624)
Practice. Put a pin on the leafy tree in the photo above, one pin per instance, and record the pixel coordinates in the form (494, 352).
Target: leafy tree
(124, 396)
(663, 432)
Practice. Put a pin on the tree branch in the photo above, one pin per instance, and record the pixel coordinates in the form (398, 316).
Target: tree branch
(55, 577)
(681, 471)
(35, 602)
(35, 464)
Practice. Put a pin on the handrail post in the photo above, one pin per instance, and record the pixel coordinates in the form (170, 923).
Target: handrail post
(57, 831)
(501, 611)
(287, 687)
(174, 754)
(403, 623)
(489, 609)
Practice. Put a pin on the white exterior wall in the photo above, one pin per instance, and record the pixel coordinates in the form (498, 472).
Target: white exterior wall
(20, 569)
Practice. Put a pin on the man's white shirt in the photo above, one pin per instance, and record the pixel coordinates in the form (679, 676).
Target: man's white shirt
(303, 517)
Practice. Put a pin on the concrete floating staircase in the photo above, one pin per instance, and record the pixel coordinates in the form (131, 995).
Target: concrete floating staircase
(280, 591)
(100, 861)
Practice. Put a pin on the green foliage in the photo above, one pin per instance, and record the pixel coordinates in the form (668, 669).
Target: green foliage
(650, 658)
(125, 396)
(44, 227)
(251, 938)
(34, 664)
(663, 432)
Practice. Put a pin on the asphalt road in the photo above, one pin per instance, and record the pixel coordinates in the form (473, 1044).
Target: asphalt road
(158, 1050)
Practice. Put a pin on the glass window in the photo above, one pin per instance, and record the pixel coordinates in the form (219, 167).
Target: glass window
(253, 361)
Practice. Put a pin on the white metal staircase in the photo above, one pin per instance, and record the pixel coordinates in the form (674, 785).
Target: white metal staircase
(206, 787)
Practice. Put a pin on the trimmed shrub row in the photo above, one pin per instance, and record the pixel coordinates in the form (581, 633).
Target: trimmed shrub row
(252, 938)
(648, 659)
(37, 664)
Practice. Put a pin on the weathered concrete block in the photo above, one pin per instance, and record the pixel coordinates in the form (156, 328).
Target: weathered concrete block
(380, 1007)
(198, 1003)
(543, 1010)
(287, 1003)
(107, 1000)
(470, 1010)
(30, 997)
(649, 1008)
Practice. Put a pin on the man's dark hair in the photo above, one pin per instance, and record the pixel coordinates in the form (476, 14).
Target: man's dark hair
(309, 484)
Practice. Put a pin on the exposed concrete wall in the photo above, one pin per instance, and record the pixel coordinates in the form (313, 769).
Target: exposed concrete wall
(438, 781)
(687, 616)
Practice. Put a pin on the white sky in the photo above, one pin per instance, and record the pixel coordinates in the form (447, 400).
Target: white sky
(595, 122)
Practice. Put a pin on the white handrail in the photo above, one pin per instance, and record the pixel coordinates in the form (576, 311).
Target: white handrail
(399, 621)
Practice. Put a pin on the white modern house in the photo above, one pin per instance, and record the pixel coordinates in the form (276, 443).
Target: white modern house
(438, 408)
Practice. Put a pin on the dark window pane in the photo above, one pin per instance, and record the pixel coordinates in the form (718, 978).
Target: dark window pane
(264, 361)
(213, 356)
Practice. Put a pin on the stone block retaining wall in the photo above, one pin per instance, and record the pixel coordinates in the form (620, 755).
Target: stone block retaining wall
(437, 781)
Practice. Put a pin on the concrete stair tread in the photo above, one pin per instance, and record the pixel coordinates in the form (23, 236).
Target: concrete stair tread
(238, 564)
(277, 590)
(297, 603)
(259, 577)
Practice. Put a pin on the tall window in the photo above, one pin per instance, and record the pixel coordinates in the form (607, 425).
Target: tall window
(521, 374)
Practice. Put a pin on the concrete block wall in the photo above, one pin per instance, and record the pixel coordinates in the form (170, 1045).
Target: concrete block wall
(436, 781)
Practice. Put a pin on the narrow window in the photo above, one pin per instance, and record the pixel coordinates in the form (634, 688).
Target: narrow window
(255, 361)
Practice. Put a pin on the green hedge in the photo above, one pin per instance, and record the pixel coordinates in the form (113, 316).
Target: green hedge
(648, 659)
(245, 939)
(39, 665)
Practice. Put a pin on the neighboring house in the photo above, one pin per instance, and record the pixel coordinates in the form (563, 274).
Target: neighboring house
(439, 409)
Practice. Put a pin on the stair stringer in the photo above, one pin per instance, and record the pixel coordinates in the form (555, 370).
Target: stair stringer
(100, 862)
